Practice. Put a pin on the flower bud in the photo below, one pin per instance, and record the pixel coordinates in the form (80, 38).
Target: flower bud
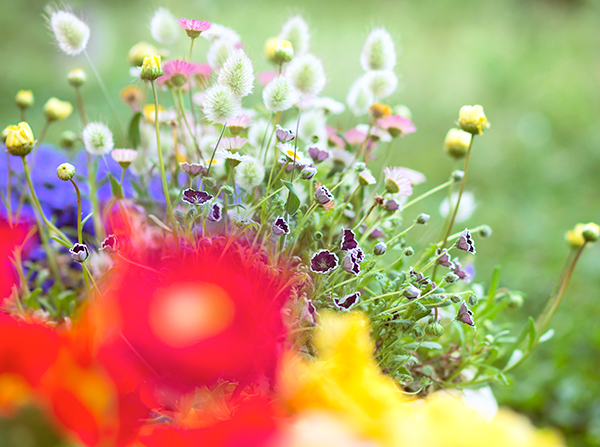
(284, 52)
(411, 292)
(24, 99)
(323, 195)
(56, 110)
(485, 231)
(308, 172)
(455, 299)
(138, 52)
(151, 68)
(575, 237)
(76, 77)
(434, 330)
(365, 178)
(19, 139)
(380, 248)
(450, 278)
(515, 300)
(457, 176)
(79, 253)
(591, 232)
(422, 219)
(473, 300)
(457, 143)
(66, 171)
(408, 252)
(472, 119)
(5, 134)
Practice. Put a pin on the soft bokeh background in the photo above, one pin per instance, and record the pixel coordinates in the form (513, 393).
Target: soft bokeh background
(533, 64)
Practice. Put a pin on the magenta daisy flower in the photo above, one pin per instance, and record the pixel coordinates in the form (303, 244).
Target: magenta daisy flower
(193, 27)
(176, 72)
(203, 71)
(397, 125)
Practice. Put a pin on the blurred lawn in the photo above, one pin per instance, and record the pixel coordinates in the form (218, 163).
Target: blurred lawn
(534, 66)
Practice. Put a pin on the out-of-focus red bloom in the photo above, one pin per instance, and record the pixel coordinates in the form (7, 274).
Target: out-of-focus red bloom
(252, 424)
(192, 317)
(10, 238)
(26, 352)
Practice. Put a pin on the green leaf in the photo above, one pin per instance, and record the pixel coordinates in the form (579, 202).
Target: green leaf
(158, 222)
(115, 187)
(86, 219)
(514, 358)
(532, 334)
(61, 242)
(293, 201)
(134, 130)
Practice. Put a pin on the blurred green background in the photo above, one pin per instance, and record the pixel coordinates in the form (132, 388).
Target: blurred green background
(533, 64)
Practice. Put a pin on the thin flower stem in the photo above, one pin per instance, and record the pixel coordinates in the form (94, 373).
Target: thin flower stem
(105, 93)
(427, 194)
(9, 190)
(188, 126)
(79, 227)
(264, 138)
(191, 92)
(399, 235)
(96, 217)
(368, 213)
(122, 176)
(212, 157)
(81, 106)
(296, 144)
(162, 165)
(386, 160)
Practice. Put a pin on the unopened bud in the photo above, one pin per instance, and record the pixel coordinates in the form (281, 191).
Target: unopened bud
(455, 299)
(450, 278)
(457, 143)
(318, 235)
(457, 176)
(24, 99)
(56, 110)
(76, 77)
(515, 300)
(422, 219)
(284, 52)
(408, 252)
(151, 68)
(68, 139)
(472, 119)
(434, 330)
(65, 172)
(380, 248)
(79, 253)
(485, 231)
(473, 300)
(591, 232)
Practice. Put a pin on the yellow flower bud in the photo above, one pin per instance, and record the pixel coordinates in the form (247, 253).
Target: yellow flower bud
(379, 110)
(151, 68)
(472, 119)
(65, 172)
(149, 113)
(283, 52)
(132, 96)
(590, 232)
(76, 77)
(575, 237)
(20, 140)
(457, 143)
(55, 109)
(270, 47)
(138, 52)
(24, 99)
(4, 134)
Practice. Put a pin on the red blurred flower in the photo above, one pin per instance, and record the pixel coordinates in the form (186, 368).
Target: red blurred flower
(10, 238)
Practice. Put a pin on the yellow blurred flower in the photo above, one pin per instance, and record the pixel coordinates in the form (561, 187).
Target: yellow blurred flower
(56, 110)
(575, 236)
(472, 119)
(345, 378)
(139, 51)
(132, 96)
(379, 110)
(24, 99)
(457, 143)
(270, 47)
(19, 139)
(149, 112)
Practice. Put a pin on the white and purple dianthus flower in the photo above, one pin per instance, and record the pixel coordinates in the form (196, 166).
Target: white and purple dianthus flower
(465, 242)
(215, 213)
(352, 260)
(323, 195)
(465, 315)
(280, 227)
(346, 302)
(324, 261)
(348, 240)
(196, 198)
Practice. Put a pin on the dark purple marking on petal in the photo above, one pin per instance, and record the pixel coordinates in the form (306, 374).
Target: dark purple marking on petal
(194, 197)
(323, 262)
(348, 240)
(347, 301)
(465, 242)
(465, 315)
(280, 227)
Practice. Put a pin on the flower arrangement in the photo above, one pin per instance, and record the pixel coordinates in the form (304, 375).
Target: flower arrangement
(247, 276)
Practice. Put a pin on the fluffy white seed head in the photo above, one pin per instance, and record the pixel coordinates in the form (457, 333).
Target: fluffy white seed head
(97, 138)
(249, 173)
(296, 31)
(218, 52)
(220, 104)
(378, 52)
(237, 73)
(164, 27)
(359, 97)
(71, 33)
(218, 32)
(306, 74)
(381, 83)
(279, 95)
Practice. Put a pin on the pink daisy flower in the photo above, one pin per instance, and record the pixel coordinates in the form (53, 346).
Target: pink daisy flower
(265, 77)
(176, 72)
(193, 28)
(334, 138)
(232, 144)
(355, 136)
(415, 177)
(397, 125)
(239, 123)
(203, 71)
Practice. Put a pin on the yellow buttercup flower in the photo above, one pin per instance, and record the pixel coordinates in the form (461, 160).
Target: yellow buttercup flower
(151, 68)
(56, 110)
(472, 119)
(20, 139)
(24, 99)
(379, 110)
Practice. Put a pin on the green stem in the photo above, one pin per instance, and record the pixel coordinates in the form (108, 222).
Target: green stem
(427, 194)
(180, 94)
(161, 164)
(81, 106)
(365, 216)
(96, 216)
(212, 157)
(79, 228)
(386, 159)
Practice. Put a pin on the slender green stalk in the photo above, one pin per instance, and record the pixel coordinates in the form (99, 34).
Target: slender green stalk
(386, 160)
(96, 217)
(9, 190)
(79, 226)
(105, 93)
(212, 157)
(427, 194)
(122, 177)
(81, 106)
(262, 144)
(368, 213)
(180, 94)
(161, 164)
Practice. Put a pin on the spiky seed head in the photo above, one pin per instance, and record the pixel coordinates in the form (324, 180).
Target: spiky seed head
(220, 104)
(250, 173)
(279, 95)
(296, 31)
(379, 52)
(97, 138)
(237, 73)
(164, 27)
(306, 74)
(70, 32)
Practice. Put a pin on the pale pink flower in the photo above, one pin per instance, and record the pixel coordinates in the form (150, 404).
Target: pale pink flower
(334, 138)
(239, 123)
(202, 70)
(265, 77)
(415, 177)
(396, 182)
(397, 125)
(232, 144)
(193, 27)
(355, 136)
(176, 72)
